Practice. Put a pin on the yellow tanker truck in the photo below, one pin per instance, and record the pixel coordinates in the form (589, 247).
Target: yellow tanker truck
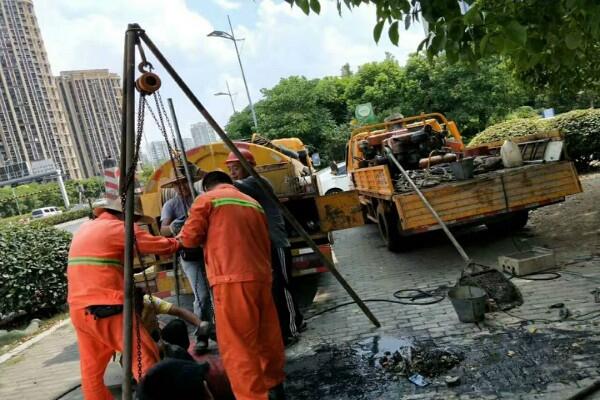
(287, 165)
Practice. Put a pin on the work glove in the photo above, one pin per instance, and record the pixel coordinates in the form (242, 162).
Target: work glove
(176, 226)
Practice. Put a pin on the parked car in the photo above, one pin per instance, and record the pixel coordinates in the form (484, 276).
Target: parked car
(333, 180)
(45, 212)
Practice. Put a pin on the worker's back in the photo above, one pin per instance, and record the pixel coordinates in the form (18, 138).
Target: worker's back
(236, 238)
(94, 273)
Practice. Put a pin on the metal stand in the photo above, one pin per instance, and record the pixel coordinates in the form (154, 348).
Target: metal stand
(127, 154)
(288, 216)
(132, 37)
(182, 149)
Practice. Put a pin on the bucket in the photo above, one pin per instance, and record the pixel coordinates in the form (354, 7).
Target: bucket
(468, 302)
(462, 169)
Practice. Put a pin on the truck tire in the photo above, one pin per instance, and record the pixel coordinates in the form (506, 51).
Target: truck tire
(388, 229)
(511, 222)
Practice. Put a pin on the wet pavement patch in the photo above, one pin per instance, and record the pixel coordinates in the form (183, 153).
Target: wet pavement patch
(514, 360)
(518, 361)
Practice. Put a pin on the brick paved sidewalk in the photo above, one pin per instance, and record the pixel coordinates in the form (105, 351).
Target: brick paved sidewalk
(43, 371)
(376, 273)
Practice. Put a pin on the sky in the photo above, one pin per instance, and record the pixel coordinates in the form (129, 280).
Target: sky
(279, 41)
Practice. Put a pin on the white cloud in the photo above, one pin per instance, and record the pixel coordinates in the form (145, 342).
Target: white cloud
(227, 4)
(279, 41)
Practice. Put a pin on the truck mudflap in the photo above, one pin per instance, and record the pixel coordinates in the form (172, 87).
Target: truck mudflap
(339, 211)
(306, 262)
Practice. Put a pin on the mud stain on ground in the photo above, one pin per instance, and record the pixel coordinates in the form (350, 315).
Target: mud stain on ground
(514, 361)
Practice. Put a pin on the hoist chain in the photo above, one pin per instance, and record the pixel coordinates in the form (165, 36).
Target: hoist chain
(161, 126)
(130, 180)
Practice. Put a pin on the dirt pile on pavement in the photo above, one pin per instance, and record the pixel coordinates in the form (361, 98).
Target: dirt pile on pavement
(424, 359)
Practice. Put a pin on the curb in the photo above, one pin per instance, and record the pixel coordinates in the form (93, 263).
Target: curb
(32, 341)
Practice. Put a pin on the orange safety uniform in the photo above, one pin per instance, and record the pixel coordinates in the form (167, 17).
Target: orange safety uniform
(233, 229)
(95, 277)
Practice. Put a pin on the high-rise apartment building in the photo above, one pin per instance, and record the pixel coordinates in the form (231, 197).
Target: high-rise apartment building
(33, 125)
(188, 143)
(203, 133)
(92, 100)
(158, 152)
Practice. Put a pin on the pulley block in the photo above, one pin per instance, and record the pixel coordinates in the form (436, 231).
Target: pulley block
(147, 83)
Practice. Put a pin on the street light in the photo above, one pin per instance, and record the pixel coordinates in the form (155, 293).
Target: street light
(231, 36)
(228, 93)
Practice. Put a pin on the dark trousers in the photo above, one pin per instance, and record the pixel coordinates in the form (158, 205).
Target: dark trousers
(289, 314)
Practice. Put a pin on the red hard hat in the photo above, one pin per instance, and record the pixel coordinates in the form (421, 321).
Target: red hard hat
(231, 158)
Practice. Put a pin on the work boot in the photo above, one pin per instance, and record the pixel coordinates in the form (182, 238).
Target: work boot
(277, 393)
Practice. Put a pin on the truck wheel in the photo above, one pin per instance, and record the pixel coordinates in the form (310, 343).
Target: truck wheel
(388, 229)
(511, 222)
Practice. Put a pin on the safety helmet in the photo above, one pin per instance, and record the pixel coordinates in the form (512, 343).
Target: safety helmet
(104, 204)
(231, 158)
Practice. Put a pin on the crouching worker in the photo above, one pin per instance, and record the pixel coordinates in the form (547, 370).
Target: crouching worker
(95, 293)
(182, 380)
(233, 230)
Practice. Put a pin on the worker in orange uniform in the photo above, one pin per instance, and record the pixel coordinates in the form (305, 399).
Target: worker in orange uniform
(95, 294)
(232, 228)
(291, 320)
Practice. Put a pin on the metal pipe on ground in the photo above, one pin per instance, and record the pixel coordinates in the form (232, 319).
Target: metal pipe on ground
(286, 213)
(186, 167)
(461, 251)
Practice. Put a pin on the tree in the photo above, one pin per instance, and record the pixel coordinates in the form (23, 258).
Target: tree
(383, 84)
(548, 43)
(240, 124)
(471, 97)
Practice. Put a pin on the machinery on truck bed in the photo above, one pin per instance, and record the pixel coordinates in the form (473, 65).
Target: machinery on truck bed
(286, 164)
(430, 148)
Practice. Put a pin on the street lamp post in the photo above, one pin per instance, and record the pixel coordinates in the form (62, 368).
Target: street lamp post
(228, 93)
(231, 36)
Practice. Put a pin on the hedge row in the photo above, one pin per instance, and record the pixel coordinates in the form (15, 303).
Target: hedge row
(581, 129)
(33, 262)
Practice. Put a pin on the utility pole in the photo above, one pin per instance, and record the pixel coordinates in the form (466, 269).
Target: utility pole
(63, 190)
(231, 36)
(16, 201)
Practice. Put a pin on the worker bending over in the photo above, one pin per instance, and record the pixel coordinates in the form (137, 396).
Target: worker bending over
(95, 294)
(290, 318)
(233, 230)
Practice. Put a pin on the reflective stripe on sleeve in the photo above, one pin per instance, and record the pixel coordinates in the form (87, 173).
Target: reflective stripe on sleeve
(236, 202)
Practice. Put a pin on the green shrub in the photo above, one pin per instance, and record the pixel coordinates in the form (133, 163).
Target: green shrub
(33, 262)
(512, 128)
(581, 129)
(60, 218)
(582, 135)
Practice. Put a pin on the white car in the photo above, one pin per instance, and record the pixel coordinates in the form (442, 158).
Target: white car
(333, 181)
(45, 212)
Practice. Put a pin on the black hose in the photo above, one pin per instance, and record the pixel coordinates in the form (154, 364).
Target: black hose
(529, 277)
(421, 294)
